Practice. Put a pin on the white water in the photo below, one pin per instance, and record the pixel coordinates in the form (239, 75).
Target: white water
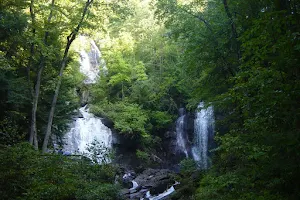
(134, 185)
(95, 54)
(203, 130)
(84, 131)
(181, 135)
(87, 69)
(90, 61)
(127, 175)
(88, 128)
(96, 57)
(162, 195)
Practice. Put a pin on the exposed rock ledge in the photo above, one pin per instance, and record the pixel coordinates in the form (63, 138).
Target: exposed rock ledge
(154, 180)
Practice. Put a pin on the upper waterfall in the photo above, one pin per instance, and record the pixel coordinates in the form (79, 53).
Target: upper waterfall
(91, 60)
(88, 128)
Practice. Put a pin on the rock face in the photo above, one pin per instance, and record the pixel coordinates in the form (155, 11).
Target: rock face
(128, 178)
(190, 117)
(107, 122)
(155, 181)
(170, 143)
(84, 97)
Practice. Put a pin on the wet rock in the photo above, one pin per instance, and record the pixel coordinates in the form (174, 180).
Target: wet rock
(124, 192)
(190, 118)
(127, 178)
(80, 115)
(170, 135)
(137, 195)
(154, 181)
(157, 180)
(107, 122)
(84, 98)
(156, 159)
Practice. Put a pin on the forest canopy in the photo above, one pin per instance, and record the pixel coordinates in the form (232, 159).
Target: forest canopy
(241, 57)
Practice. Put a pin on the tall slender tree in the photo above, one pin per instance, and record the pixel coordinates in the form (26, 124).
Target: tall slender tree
(70, 38)
(35, 98)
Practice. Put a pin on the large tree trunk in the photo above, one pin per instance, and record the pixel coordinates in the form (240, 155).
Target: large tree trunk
(70, 40)
(33, 131)
(32, 14)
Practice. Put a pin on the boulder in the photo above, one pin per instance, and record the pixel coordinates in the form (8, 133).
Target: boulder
(156, 180)
(84, 97)
(127, 178)
(138, 194)
(107, 122)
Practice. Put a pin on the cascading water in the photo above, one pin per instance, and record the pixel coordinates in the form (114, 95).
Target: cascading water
(162, 195)
(87, 128)
(134, 185)
(181, 135)
(90, 61)
(87, 69)
(84, 131)
(96, 57)
(95, 54)
(203, 132)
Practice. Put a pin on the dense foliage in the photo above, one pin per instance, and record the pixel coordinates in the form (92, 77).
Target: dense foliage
(243, 57)
(240, 56)
(139, 90)
(27, 174)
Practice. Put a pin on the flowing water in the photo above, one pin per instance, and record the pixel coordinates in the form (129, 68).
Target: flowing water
(203, 132)
(162, 195)
(91, 60)
(87, 128)
(87, 69)
(84, 131)
(181, 135)
(134, 185)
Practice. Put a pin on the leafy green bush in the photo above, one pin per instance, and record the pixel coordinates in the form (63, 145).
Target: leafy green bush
(160, 119)
(27, 174)
(188, 177)
(188, 167)
(98, 153)
(99, 192)
(128, 118)
(142, 155)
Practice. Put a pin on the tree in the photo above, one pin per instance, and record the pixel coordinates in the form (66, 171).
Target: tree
(70, 38)
(241, 57)
(28, 174)
(35, 94)
(14, 96)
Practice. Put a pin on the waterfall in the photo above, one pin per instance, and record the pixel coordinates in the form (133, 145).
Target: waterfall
(87, 69)
(90, 61)
(87, 128)
(84, 131)
(181, 135)
(203, 132)
(96, 57)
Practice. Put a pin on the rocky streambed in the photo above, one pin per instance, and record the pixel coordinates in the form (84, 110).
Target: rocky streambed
(151, 184)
